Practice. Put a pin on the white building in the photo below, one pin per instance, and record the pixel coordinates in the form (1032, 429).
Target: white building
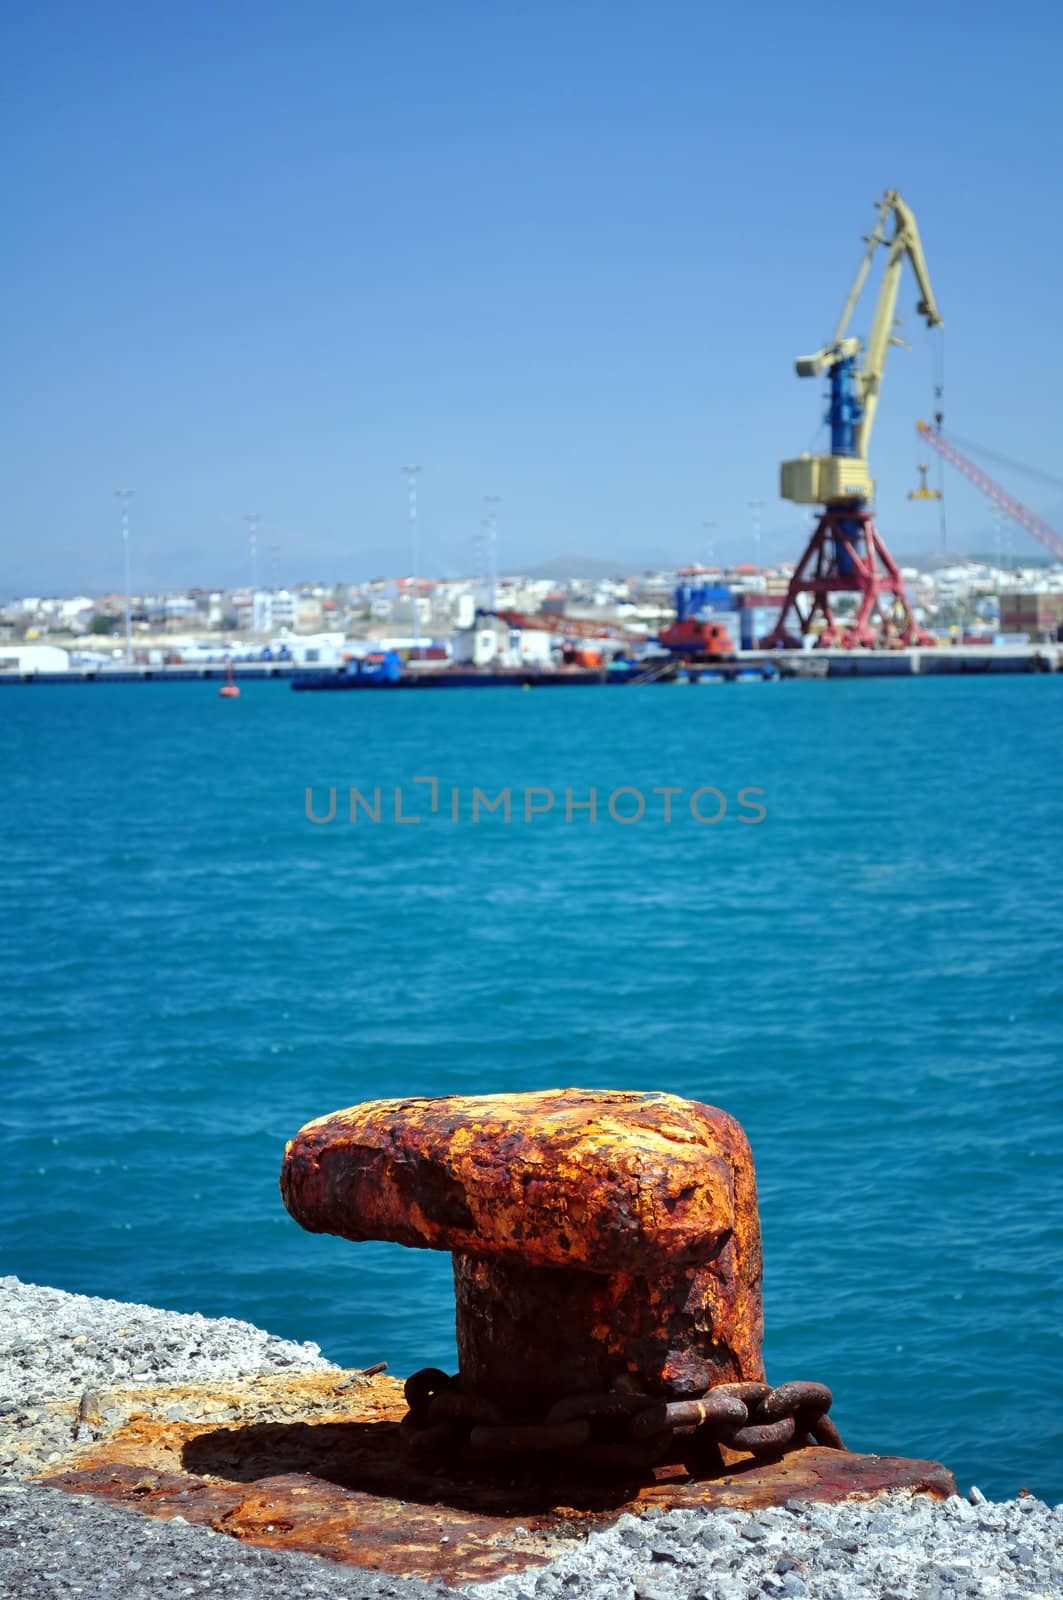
(22, 658)
(272, 610)
(315, 649)
(494, 643)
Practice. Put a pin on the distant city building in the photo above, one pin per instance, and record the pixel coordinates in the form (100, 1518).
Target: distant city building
(1040, 614)
(272, 610)
(961, 597)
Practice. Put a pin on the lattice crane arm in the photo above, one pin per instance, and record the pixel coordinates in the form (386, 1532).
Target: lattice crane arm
(1007, 502)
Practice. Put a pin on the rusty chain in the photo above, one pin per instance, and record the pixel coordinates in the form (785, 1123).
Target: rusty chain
(623, 1426)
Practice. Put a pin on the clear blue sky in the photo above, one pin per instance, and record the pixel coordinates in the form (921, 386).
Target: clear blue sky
(259, 255)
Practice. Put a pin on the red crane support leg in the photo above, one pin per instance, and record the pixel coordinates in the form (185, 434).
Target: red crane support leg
(846, 555)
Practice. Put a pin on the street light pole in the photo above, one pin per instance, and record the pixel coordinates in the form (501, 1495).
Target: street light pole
(492, 500)
(410, 473)
(252, 519)
(123, 496)
(710, 547)
(756, 506)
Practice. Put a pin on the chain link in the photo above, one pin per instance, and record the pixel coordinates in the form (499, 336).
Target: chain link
(622, 1425)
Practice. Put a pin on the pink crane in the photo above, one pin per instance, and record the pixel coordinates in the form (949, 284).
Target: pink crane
(1008, 504)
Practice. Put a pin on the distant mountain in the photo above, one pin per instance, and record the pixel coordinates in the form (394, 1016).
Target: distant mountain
(578, 567)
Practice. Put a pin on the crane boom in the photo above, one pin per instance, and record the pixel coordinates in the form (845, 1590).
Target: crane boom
(1008, 504)
(905, 242)
(855, 386)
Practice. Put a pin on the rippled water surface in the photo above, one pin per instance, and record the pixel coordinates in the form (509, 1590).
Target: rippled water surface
(869, 979)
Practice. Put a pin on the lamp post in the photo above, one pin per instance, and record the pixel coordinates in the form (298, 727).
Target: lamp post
(252, 519)
(492, 500)
(756, 507)
(410, 473)
(123, 496)
(710, 547)
(479, 558)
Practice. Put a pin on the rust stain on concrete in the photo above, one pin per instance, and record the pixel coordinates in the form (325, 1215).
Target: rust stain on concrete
(314, 1464)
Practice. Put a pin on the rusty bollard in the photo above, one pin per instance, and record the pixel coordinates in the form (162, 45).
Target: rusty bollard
(605, 1244)
(594, 1234)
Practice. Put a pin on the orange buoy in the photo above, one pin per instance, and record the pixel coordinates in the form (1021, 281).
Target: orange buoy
(229, 690)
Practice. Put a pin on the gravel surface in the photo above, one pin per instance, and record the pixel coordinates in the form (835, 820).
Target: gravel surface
(54, 1546)
(55, 1346)
(895, 1547)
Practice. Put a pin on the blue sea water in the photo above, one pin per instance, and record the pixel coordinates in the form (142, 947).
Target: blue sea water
(868, 978)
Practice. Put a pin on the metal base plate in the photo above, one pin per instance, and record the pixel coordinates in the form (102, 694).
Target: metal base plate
(314, 1464)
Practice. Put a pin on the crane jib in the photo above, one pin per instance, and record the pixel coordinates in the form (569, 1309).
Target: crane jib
(1011, 507)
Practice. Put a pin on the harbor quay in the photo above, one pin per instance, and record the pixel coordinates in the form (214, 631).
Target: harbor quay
(697, 624)
(743, 666)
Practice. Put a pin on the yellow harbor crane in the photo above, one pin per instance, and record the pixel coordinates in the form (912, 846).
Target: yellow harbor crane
(846, 552)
